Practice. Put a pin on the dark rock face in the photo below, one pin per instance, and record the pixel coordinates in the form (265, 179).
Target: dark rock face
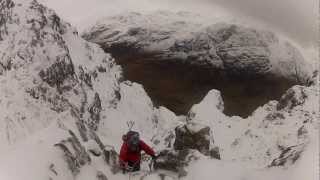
(58, 72)
(215, 153)
(195, 137)
(179, 61)
(175, 161)
(187, 138)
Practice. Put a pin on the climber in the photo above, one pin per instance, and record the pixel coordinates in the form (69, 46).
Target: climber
(130, 153)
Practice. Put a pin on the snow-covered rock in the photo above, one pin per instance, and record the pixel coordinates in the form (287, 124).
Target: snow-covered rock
(186, 38)
(51, 80)
(276, 133)
(193, 136)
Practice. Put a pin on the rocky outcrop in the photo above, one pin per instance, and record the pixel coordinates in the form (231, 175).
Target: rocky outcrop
(94, 109)
(190, 136)
(288, 156)
(176, 161)
(58, 72)
(75, 154)
(101, 176)
(196, 137)
(292, 98)
(5, 18)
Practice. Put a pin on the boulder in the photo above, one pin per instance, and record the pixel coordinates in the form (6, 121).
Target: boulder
(101, 176)
(193, 136)
(293, 97)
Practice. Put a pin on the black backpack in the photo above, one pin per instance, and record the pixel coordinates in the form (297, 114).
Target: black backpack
(132, 138)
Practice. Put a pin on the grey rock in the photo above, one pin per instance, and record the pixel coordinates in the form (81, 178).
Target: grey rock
(101, 176)
(175, 161)
(5, 16)
(188, 138)
(293, 97)
(288, 156)
(75, 154)
(215, 153)
(58, 72)
(94, 109)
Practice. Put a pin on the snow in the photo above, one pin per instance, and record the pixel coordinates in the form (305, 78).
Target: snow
(30, 160)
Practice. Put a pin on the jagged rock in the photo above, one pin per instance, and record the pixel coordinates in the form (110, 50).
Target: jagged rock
(110, 156)
(292, 98)
(85, 77)
(5, 17)
(215, 153)
(193, 136)
(53, 170)
(75, 154)
(175, 161)
(94, 110)
(58, 72)
(93, 148)
(302, 132)
(72, 162)
(288, 156)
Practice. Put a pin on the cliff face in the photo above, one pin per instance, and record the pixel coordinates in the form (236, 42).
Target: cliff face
(171, 53)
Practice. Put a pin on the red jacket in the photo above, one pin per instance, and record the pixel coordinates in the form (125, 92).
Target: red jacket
(135, 157)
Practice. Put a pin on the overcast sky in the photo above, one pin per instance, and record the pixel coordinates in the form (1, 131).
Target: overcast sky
(296, 19)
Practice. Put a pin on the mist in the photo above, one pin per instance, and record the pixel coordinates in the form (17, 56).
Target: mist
(295, 19)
